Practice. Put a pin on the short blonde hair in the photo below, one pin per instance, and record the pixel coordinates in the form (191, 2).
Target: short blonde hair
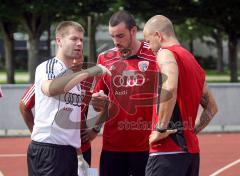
(62, 27)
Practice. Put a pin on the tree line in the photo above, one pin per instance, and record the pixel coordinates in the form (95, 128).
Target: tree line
(194, 18)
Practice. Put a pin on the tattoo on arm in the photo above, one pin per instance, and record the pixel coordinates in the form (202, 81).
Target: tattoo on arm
(167, 63)
(205, 100)
(206, 115)
(205, 118)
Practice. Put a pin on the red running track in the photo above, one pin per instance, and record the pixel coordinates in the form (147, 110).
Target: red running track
(217, 151)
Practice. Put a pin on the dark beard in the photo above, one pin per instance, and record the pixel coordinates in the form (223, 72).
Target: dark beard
(126, 52)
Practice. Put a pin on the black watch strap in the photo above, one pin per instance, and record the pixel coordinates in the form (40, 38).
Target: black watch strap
(161, 130)
(96, 129)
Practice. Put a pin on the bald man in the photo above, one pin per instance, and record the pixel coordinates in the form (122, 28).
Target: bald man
(174, 148)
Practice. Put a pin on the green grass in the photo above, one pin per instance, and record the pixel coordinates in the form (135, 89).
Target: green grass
(216, 73)
(215, 77)
(21, 76)
(16, 82)
(218, 81)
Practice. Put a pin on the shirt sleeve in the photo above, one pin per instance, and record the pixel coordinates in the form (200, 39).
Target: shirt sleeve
(29, 97)
(48, 70)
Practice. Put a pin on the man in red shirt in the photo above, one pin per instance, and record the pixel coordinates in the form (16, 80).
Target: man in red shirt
(130, 90)
(174, 148)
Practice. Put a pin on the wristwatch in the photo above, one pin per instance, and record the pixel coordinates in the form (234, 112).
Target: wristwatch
(96, 129)
(161, 130)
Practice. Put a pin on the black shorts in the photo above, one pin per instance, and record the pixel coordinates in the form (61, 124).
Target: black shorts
(182, 164)
(51, 160)
(123, 163)
(87, 156)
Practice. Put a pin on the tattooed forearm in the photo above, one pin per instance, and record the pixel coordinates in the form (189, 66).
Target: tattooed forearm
(204, 120)
(205, 100)
(206, 115)
(209, 110)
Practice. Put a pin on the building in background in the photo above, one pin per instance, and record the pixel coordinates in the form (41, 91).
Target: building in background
(103, 42)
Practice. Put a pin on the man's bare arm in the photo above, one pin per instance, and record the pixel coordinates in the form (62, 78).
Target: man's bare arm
(63, 84)
(209, 110)
(27, 116)
(169, 68)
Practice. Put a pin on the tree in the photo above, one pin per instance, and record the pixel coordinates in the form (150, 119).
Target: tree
(7, 30)
(218, 36)
(36, 17)
(177, 10)
(8, 25)
(218, 14)
(94, 13)
(191, 29)
(35, 13)
(225, 18)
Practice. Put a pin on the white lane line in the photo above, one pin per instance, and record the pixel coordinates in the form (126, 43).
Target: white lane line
(225, 167)
(12, 155)
(1, 174)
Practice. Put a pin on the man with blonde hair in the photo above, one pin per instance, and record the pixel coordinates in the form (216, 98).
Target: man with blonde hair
(56, 130)
(174, 148)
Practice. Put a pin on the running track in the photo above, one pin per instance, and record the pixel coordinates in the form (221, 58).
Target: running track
(220, 155)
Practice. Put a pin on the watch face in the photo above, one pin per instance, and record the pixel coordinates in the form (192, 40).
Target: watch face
(97, 129)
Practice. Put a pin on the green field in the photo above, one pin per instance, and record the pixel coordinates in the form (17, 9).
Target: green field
(22, 77)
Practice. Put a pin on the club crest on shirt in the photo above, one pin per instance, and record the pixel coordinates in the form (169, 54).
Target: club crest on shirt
(143, 65)
(112, 67)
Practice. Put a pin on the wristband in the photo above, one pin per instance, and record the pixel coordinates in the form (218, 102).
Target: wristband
(161, 130)
(96, 129)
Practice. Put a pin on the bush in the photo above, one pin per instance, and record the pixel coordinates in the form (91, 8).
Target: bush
(2, 63)
(209, 62)
(20, 61)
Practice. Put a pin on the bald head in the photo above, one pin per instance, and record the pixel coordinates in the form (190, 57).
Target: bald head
(159, 23)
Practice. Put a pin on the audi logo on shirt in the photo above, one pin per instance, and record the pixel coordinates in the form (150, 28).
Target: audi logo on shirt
(73, 99)
(128, 79)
